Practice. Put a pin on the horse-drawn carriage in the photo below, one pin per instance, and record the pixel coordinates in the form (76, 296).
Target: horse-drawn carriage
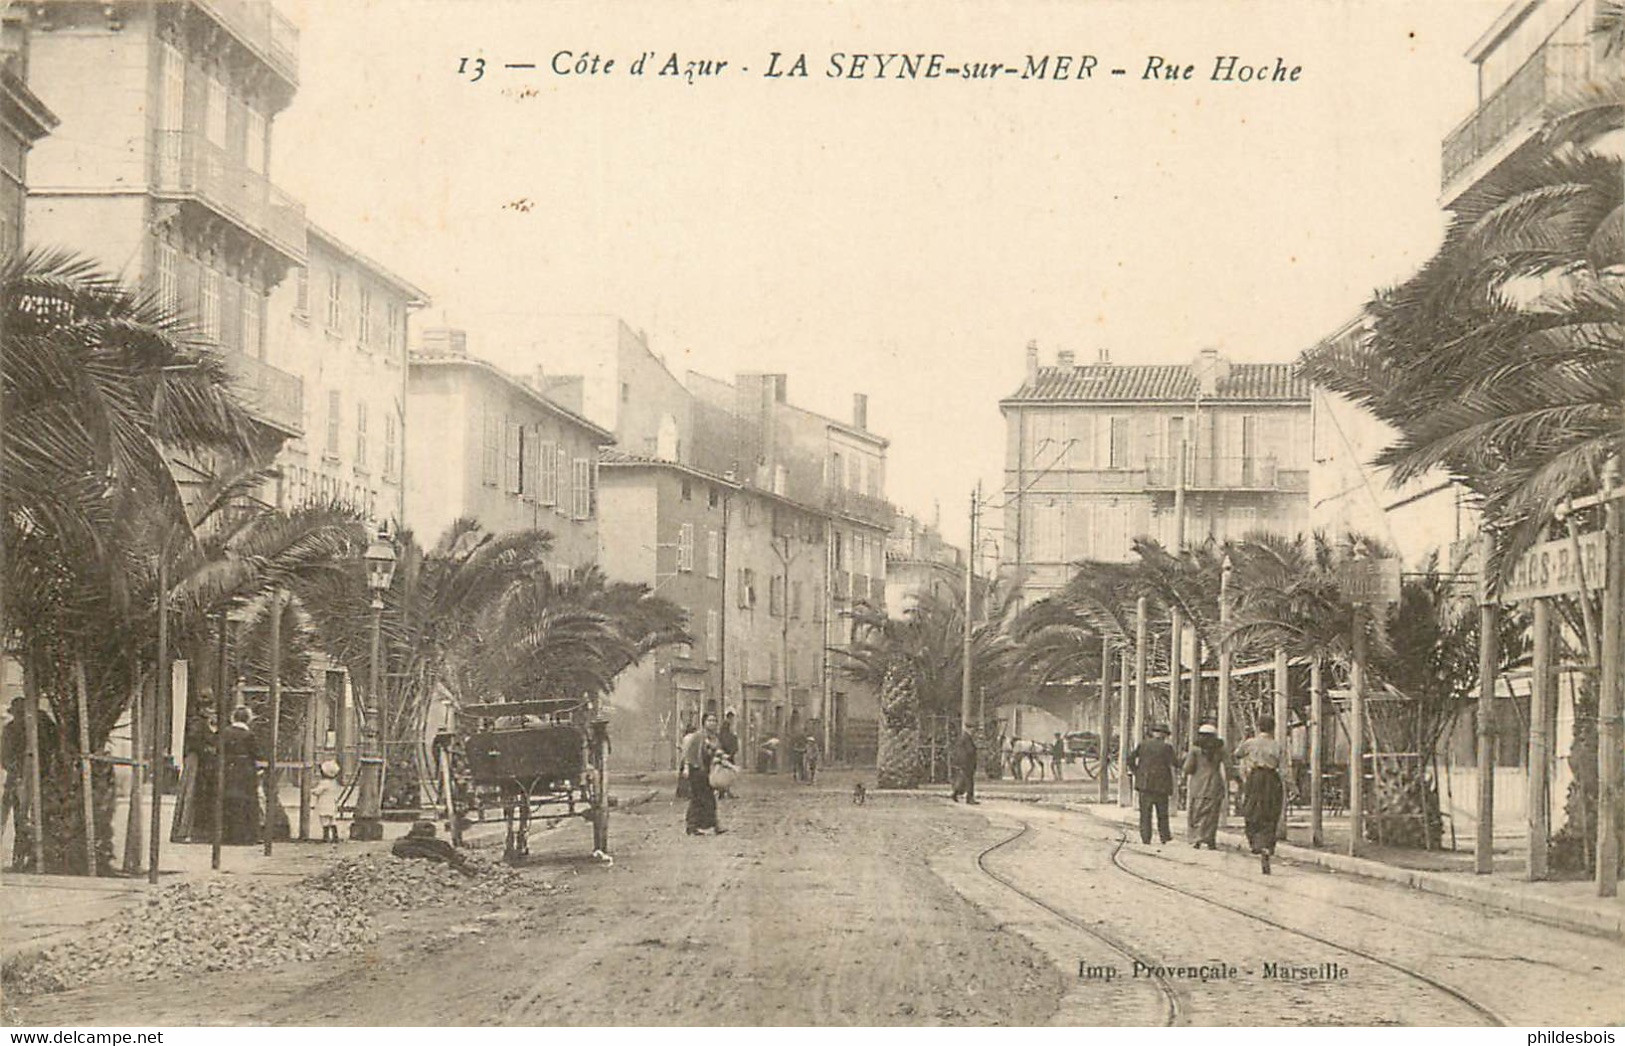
(533, 760)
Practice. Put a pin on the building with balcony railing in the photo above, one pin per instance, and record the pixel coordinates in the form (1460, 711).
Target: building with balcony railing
(1099, 455)
(1536, 56)
(167, 174)
(24, 120)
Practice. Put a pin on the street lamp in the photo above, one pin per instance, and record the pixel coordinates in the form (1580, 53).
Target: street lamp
(380, 560)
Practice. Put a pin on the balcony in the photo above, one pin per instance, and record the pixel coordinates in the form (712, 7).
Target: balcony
(262, 29)
(1224, 474)
(863, 507)
(1551, 73)
(189, 165)
(274, 396)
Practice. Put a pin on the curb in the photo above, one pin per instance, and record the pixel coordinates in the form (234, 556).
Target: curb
(1538, 909)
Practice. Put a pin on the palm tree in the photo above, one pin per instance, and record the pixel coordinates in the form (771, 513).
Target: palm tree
(102, 385)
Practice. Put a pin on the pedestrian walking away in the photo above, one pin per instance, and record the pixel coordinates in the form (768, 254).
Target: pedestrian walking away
(1260, 757)
(1057, 755)
(1209, 769)
(700, 750)
(1152, 765)
(241, 751)
(965, 767)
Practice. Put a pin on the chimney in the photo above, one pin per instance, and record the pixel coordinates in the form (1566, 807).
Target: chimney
(860, 411)
(1064, 359)
(1032, 361)
(443, 341)
(1211, 369)
(1105, 357)
(781, 387)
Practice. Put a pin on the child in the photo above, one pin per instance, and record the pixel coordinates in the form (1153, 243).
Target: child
(324, 795)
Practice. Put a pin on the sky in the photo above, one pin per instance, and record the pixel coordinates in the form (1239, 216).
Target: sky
(900, 238)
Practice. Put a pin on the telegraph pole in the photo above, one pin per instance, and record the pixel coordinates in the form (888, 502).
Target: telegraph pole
(1142, 661)
(1609, 696)
(1489, 620)
(1357, 737)
(1105, 715)
(966, 708)
(1123, 703)
(1225, 657)
(1316, 756)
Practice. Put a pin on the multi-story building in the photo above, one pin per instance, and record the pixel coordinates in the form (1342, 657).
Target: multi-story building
(340, 323)
(1349, 493)
(1537, 54)
(486, 445)
(820, 473)
(665, 525)
(918, 561)
(24, 120)
(1098, 455)
(166, 176)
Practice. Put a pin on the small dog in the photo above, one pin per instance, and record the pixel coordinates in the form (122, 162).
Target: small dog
(859, 794)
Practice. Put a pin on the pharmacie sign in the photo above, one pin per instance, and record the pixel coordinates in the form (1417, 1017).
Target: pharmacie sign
(1553, 569)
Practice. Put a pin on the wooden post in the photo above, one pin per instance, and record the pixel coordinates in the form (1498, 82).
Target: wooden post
(36, 810)
(1282, 734)
(1609, 696)
(1195, 718)
(162, 709)
(1176, 640)
(1356, 797)
(82, 692)
(1103, 787)
(1540, 702)
(222, 719)
(1317, 711)
(1142, 663)
(307, 757)
(1226, 660)
(132, 822)
(1489, 621)
(272, 792)
(1124, 699)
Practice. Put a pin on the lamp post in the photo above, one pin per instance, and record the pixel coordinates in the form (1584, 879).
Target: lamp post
(380, 558)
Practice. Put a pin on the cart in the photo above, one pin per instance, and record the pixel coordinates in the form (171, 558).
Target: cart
(536, 761)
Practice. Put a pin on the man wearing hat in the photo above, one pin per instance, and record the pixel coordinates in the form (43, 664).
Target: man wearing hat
(1152, 764)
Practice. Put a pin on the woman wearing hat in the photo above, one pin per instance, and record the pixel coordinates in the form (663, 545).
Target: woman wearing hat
(1260, 758)
(241, 750)
(1208, 767)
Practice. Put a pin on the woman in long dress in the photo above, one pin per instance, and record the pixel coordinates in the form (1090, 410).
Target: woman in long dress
(700, 749)
(1208, 767)
(1260, 758)
(241, 751)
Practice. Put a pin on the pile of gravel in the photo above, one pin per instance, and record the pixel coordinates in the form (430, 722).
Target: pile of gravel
(198, 927)
(380, 881)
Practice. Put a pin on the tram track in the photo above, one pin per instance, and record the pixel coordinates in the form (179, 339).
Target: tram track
(1170, 997)
(1490, 1016)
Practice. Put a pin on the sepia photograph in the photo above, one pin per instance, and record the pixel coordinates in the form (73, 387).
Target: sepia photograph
(918, 514)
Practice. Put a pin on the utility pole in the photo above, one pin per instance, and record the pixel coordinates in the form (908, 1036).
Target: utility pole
(272, 797)
(1281, 733)
(1356, 791)
(1103, 747)
(1609, 694)
(1142, 662)
(1316, 755)
(81, 689)
(1176, 621)
(160, 718)
(222, 718)
(1226, 659)
(1541, 694)
(966, 709)
(1124, 698)
(1489, 621)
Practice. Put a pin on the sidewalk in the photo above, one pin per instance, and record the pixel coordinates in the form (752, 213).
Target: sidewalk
(37, 911)
(1573, 905)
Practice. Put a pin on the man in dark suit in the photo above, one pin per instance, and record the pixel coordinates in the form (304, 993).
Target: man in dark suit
(965, 767)
(1152, 764)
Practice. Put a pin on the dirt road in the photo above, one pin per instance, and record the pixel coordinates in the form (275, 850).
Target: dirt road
(810, 910)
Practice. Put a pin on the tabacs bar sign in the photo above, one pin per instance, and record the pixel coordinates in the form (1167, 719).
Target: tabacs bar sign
(1552, 568)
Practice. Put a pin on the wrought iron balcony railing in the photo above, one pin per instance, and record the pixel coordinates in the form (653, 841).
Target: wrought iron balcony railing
(271, 394)
(263, 28)
(188, 164)
(1203, 473)
(865, 507)
(1552, 72)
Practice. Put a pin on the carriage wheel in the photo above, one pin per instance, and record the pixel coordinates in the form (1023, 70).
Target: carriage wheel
(1091, 763)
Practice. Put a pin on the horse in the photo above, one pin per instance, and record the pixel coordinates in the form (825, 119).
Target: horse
(1032, 752)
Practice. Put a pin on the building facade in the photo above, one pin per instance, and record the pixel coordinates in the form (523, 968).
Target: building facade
(24, 120)
(1534, 56)
(1098, 455)
(166, 177)
(488, 446)
(340, 321)
(919, 561)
